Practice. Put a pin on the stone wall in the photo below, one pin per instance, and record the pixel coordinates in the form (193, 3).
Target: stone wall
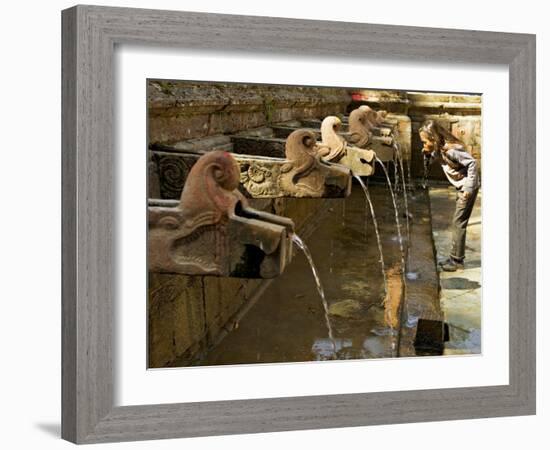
(179, 110)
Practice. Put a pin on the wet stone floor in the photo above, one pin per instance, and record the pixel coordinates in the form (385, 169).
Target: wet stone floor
(287, 323)
(461, 290)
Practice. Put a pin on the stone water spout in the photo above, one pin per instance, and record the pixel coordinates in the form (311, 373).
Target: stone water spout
(301, 174)
(362, 135)
(336, 149)
(213, 231)
(381, 124)
(377, 123)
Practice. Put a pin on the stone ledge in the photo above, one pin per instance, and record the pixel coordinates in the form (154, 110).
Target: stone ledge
(422, 285)
(188, 110)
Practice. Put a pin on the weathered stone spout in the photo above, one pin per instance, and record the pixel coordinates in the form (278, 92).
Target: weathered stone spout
(378, 118)
(360, 135)
(213, 231)
(301, 174)
(359, 128)
(336, 149)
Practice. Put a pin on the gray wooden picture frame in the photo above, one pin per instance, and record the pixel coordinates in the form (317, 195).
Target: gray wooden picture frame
(90, 34)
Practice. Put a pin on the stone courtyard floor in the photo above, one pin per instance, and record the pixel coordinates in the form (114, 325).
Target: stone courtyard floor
(460, 291)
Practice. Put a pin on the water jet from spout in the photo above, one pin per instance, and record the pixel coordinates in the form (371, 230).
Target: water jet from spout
(405, 198)
(396, 211)
(302, 246)
(375, 224)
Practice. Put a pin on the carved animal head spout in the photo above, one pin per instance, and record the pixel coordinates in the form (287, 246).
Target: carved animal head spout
(379, 118)
(360, 161)
(359, 128)
(372, 115)
(302, 174)
(336, 144)
(213, 231)
(363, 134)
(376, 121)
(302, 171)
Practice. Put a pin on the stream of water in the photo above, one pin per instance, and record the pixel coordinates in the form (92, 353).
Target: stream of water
(396, 210)
(302, 246)
(405, 195)
(395, 173)
(375, 224)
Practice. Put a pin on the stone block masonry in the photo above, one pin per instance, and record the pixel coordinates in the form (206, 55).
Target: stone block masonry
(180, 111)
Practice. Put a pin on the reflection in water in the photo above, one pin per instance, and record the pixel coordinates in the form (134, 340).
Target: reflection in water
(393, 301)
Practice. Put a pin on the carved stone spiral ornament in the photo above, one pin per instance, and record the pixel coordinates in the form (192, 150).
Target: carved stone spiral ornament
(260, 180)
(172, 172)
(257, 174)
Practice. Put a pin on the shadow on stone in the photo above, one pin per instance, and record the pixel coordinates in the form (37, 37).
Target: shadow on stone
(459, 283)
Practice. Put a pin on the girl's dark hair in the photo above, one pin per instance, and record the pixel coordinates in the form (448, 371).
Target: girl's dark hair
(438, 133)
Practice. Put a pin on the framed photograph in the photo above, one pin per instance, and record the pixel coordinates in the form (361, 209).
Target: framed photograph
(265, 229)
